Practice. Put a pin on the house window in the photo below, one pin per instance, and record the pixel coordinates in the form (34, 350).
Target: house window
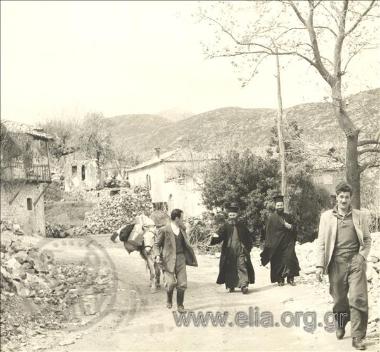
(114, 192)
(74, 170)
(83, 172)
(29, 204)
(148, 182)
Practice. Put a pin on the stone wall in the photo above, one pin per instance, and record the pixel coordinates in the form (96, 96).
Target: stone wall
(22, 211)
(81, 175)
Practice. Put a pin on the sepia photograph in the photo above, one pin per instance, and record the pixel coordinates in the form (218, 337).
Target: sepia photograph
(190, 176)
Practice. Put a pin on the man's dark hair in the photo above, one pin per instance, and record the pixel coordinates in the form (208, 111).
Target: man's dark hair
(343, 187)
(176, 213)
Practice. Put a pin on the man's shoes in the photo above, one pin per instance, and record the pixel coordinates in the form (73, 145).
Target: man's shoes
(358, 343)
(290, 280)
(281, 283)
(114, 236)
(181, 309)
(244, 290)
(340, 333)
(230, 290)
(180, 299)
(169, 299)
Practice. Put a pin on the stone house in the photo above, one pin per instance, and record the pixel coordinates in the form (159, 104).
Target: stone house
(25, 175)
(174, 180)
(81, 173)
(85, 174)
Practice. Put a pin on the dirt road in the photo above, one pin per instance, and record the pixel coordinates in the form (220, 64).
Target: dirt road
(139, 320)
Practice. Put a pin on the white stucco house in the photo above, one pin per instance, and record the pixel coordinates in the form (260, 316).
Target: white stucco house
(174, 179)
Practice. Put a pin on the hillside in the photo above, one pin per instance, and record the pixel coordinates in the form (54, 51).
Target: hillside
(233, 127)
(134, 131)
(175, 114)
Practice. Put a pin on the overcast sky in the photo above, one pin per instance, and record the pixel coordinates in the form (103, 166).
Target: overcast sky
(63, 59)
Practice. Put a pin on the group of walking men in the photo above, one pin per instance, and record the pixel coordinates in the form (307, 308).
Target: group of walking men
(343, 245)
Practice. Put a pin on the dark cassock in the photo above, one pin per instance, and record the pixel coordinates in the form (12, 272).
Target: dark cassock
(235, 266)
(279, 247)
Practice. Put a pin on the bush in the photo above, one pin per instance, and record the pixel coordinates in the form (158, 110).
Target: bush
(251, 181)
(306, 203)
(246, 179)
(374, 222)
(201, 229)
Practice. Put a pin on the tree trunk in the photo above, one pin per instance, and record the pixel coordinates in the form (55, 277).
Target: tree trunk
(280, 133)
(352, 168)
(98, 171)
(352, 136)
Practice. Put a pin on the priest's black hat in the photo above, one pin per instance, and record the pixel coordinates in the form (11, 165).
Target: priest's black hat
(278, 198)
(233, 207)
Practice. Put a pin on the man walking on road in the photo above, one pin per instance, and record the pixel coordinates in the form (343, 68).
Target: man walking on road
(343, 245)
(235, 267)
(172, 249)
(279, 247)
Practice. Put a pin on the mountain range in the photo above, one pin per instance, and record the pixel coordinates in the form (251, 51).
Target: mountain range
(228, 128)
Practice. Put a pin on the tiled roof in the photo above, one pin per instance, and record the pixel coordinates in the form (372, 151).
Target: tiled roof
(18, 127)
(174, 155)
(153, 161)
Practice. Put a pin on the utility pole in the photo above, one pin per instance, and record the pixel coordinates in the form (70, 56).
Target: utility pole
(280, 133)
(191, 156)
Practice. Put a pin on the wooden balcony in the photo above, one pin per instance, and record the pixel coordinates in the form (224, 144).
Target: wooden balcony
(17, 171)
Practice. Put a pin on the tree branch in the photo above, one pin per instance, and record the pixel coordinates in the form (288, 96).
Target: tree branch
(237, 41)
(304, 28)
(255, 69)
(352, 56)
(368, 165)
(368, 141)
(360, 18)
(298, 14)
(309, 25)
(330, 13)
(368, 150)
(237, 53)
(317, 4)
(340, 39)
(240, 53)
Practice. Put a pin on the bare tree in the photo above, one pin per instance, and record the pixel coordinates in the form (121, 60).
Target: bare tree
(327, 35)
(64, 131)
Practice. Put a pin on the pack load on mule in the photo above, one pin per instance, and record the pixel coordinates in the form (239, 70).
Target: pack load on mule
(133, 234)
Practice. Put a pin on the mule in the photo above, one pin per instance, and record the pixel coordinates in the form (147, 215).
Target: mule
(146, 252)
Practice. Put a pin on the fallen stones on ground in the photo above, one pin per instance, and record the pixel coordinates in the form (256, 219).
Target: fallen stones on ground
(39, 293)
(56, 231)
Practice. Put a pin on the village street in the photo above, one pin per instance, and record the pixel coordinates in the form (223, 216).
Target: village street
(139, 319)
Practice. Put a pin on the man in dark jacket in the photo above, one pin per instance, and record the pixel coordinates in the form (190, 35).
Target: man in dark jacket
(279, 248)
(172, 249)
(235, 266)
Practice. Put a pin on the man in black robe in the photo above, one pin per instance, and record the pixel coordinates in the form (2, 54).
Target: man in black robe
(279, 247)
(235, 266)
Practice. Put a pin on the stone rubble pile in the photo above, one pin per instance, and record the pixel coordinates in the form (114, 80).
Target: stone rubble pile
(10, 226)
(306, 257)
(56, 231)
(36, 291)
(120, 209)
